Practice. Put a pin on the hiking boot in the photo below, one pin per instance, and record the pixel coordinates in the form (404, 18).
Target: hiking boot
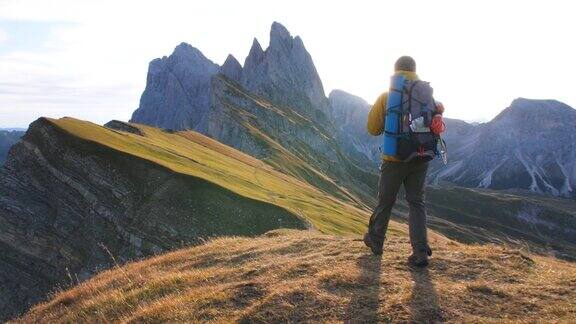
(419, 258)
(376, 248)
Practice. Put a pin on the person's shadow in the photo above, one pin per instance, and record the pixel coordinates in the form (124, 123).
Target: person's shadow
(424, 299)
(364, 304)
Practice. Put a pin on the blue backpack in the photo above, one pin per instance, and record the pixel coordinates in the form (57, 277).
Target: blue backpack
(409, 111)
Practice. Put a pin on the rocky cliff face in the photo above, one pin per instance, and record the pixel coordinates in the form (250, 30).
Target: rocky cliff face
(231, 68)
(531, 145)
(350, 114)
(70, 207)
(285, 73)
(285, 139)
(7, 139)
(177, 94)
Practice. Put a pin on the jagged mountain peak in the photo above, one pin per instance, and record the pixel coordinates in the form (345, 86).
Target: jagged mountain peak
(231, 68)
(535, 113)
(284, 73)
(177, 93)
(282, 41)
(184, 57)
(278, 29)
(256, 47)
(231, 59)
(255, 55)
(188, 51)
(279, 35)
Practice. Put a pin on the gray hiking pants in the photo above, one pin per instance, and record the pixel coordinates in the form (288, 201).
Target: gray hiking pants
(392, 176)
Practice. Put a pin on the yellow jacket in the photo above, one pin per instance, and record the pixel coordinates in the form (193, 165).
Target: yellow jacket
(377, 115)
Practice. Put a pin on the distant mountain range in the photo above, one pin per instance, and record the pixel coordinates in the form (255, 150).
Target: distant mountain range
(530, 145)
(10, 129)
(7, 139)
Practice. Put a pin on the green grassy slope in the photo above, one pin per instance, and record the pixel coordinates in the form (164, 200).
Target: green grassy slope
(192, 154)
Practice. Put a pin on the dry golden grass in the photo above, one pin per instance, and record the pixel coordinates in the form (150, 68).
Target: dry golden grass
(296, 276)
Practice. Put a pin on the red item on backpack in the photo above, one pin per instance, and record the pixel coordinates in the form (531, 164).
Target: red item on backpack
(439, 107)
(437, 126)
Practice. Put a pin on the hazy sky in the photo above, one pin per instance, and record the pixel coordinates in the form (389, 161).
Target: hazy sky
(88, 59)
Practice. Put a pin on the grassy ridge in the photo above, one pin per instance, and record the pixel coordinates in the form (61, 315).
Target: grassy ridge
(304, 276)
(190, 153)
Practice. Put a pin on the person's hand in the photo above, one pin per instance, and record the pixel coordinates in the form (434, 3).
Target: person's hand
(439, 107)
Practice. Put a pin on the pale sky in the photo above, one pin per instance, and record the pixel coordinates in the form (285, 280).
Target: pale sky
(89, 59)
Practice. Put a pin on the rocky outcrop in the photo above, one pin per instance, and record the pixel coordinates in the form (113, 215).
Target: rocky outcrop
(71, 207)
(124, 127)
(177, 94)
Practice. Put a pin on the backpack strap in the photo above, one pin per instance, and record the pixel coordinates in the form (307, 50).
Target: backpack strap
(410, 94)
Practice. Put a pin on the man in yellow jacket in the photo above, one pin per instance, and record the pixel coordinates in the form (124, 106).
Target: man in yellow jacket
(393, 175)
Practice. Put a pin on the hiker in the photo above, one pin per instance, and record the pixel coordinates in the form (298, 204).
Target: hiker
(409, 143)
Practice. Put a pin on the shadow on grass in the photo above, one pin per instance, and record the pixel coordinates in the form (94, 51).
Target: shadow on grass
(424, 304)
(364, 304)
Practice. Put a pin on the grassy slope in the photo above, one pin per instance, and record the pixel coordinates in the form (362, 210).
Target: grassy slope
(190, 153)
(299, 276)
(481, 216)
(300, 160)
